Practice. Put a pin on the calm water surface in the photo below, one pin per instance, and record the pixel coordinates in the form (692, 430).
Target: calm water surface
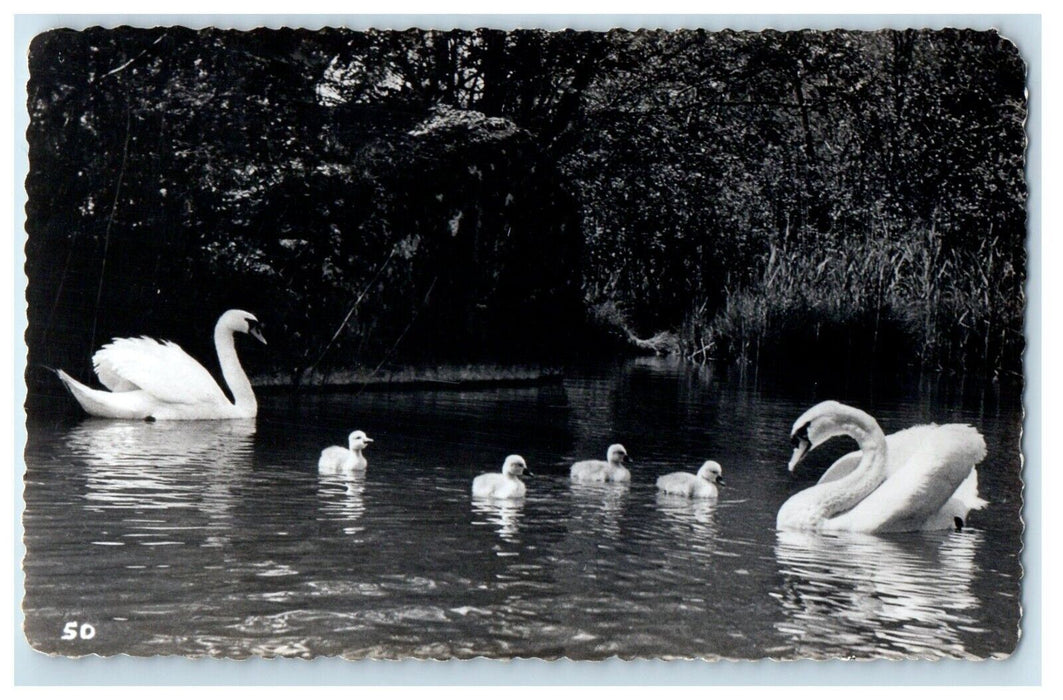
(221, 539)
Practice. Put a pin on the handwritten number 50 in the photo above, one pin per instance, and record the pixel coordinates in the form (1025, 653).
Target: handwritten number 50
(71, 631)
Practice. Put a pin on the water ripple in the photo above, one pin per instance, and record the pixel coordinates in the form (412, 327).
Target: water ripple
(221, 539)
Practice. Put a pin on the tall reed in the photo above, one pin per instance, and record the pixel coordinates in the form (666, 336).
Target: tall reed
(871, 298)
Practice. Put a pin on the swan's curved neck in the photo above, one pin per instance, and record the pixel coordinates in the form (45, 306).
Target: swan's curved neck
(843, 494)
(233, 372)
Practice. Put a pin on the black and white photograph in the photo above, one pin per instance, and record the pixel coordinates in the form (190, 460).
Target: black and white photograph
(447, 343)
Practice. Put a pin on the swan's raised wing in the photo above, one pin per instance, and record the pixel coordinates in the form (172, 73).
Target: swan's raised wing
(939, 461)
(900, 447)
(159, 368)
(842, 467)
(109, 377)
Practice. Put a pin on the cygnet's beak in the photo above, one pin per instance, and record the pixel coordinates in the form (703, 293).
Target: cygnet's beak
(527, 472)
(720, 481)
(368, 439)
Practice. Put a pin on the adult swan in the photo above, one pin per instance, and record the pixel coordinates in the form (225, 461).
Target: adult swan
(922, 478)
(151, 379)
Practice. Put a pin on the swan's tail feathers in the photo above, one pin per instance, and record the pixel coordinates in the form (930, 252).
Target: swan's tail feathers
(105, 404)
(970, 448)
(968, 492)
(69, 382)
(80, 392)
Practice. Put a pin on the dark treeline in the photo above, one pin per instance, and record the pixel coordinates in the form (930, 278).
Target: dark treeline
(412, 197)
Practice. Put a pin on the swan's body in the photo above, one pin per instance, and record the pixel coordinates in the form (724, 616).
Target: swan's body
(504, 485)
(338, 459)
(700, 485)
(922, 478)
(612, 469)
(151, 379)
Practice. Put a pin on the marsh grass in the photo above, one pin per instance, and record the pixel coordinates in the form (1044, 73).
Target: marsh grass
(879, 299)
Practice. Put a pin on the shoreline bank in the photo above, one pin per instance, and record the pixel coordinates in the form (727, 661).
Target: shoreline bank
(477, 376)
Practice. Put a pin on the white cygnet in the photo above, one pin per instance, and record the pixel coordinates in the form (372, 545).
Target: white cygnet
(504, 485)
(704, 485)
(345, 459)
(612, 469)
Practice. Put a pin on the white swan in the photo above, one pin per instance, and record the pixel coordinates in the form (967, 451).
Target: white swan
(345, 459)
(922, 478)
(612, 469)
(702, 485)
(504, 485)
(150, 379)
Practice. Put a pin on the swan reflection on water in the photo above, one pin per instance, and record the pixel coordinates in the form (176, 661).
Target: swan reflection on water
(342, 497)
(871, 595)
(167, 464)
(503, 513)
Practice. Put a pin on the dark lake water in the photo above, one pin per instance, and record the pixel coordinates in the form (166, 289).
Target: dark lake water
(221, 538)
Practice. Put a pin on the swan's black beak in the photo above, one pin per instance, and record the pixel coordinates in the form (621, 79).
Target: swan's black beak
(720, 481)
(799, 453)
(801, 445)
(527, 472)
(254, 329)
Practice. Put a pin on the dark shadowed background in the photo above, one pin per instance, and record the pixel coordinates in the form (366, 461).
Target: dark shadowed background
(800, 198)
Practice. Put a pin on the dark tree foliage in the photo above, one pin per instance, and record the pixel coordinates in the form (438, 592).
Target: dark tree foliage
(427, 196)
(759, 189)
(176, 173)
